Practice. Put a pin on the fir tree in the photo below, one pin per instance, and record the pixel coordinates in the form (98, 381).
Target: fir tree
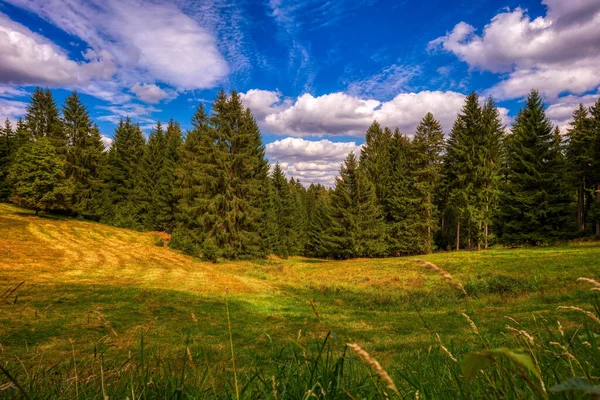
(172, 160)
(8, 147)
(464, 169)
(38, 177)
(85, 158)
(535, 205)
(375, 159)
(357, 228)
(595, 177)
(319, 222)
(150, 189)
(491, 157)
(402, 201)
(43, 120)
(122, 175)
(188, 234)
(229, 185)
(580, 156)
(284, 210)
(426, 164)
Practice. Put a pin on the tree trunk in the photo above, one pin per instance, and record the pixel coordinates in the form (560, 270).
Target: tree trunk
(486, 235)
(581, 206)
(37, 212)
(479, 237)
(458, 233)
(428, 247)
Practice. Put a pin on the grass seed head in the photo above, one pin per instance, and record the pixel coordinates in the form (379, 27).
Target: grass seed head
(589, 314)
(367, 359)
(470, 321)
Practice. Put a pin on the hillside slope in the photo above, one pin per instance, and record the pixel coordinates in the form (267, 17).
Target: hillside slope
(91, 288)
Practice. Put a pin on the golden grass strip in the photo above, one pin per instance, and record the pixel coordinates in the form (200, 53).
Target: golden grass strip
(367, 359)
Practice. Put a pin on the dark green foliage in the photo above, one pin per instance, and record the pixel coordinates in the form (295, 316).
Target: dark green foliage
(122, 176)
(594, 212)
(426, 166)
(8, 147)
(580, 156)
(357, 228)
(319, 220)
(285, 209)
(375, 159)
(401, 203)
(535, 200)
(222, 193)
(38, 177)
(85, 158)
(43, 120)
(149, 184)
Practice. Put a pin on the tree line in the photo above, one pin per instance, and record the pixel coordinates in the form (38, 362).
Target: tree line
(213, 190)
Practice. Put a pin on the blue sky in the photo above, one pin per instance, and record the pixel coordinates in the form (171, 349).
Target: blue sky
(315, 73)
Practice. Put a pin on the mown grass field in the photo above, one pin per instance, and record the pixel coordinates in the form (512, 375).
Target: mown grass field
(91, 292)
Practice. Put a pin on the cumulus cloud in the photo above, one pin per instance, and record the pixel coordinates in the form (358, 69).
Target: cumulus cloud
(28, 58)
(310, 161)
(554, 53)
(149, 92)
(154, 41)
(561, 112)
(345, 114)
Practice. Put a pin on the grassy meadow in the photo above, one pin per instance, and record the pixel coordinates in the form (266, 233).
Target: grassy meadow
(91, 311)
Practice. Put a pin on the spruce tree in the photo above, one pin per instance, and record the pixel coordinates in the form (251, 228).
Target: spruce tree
(150, 189)
(85, 158)
(357, 228)
(284, 210)
(595, 177)
(535, 204)
(319, 242)
(464, 170)
(38, 177)
(491, 158)
(188, 234)
(402, 203)
(580, 156)
(122, 176)
(375, 159)
(43, 120)
(426, 164)
(172, 160)
(229, 185)
(8, 146)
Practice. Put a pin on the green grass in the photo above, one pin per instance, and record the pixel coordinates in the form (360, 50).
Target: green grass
(92, 292)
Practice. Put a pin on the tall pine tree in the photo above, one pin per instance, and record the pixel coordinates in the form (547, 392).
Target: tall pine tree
(357, 228)
(85, 158)
(122, 176)
(535, 204)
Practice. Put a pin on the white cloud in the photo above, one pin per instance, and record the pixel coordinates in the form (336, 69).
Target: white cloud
(28, 58)
(344, 114)
(149, 41)
(137, 112)
(555, 53)
(12, 109)
(561, 112)
(149, 92)
(310, 161)
(107, 142)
